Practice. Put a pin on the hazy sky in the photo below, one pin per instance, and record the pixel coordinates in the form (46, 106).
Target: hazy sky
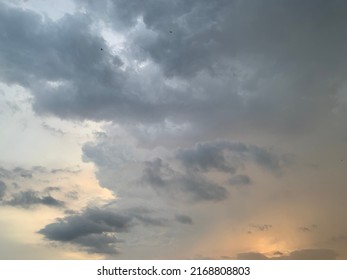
(176, 129)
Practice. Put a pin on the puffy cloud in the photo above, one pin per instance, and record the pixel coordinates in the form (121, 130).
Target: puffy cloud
(96, 230)
(91, 221)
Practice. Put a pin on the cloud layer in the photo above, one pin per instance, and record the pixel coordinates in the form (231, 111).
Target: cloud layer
(209, 120)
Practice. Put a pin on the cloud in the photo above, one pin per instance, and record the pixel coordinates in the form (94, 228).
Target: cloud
(29, 199)
(20, 172)
(184, 219)
(155, 171)
(3, 189)
(4, 173)
(224, 156)
(247, 64)
(303, 254)
(312, 254)
(52, 189)
(91, 221)
(71, 170)
(264, 227)
(53, 130)
(206, 156)
(105, 244)
(212, 155)
(251, 256)
(183, 186)
(61, 57)
(304, 229)
(240, 180)
(78, 67)
(256, 61)
(30, 173)
(181, 75)
(201, 189)
(96, 230)
(308, 228)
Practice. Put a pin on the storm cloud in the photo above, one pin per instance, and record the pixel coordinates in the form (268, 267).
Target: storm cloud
(206, 51)
(183, 122)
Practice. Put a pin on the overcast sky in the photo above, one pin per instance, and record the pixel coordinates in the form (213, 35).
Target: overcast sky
(178, 129)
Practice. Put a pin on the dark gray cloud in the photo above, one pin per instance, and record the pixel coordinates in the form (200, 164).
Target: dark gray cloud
(183, 186)
(200, 189)
(256, 59)
(184, 219)
(189, 179)
(95, 230)
(206, 156)
(29, 199)
(91, 221)
(192, 24)
(267, 57)
(155, 171)
(3, 189)
(303, 254)
(61, 63)
(105, 244)
(212, 155)
(224, 156)
(211, 67)
(146, 217)
(240, 180)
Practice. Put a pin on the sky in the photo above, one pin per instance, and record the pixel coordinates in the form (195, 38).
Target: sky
(182, 129)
